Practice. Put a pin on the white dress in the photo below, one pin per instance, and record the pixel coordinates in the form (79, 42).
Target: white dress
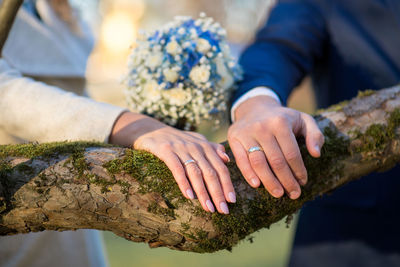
(33, 111)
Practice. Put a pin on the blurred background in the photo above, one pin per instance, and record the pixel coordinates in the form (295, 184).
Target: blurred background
(115, 24)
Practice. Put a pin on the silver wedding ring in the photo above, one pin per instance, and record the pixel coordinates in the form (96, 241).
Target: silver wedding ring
(254, 149)
(189, 161)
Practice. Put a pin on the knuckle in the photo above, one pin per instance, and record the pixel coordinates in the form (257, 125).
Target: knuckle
(306, 116)
(292, 156)
(277, 163)
(234, 131)
(177, 169)
(196, 171)
(179, 145)
(210, 173)
(197, 135)
(280, 121)
(166, 146)
(206, 146)
(224, 171)
(291, 185)
(193, 147)
(231, 133)
(258, 161)
(247, 173)
(193, 172)
(259, 127)
(301, 174)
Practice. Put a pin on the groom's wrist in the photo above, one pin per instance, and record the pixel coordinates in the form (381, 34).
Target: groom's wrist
(257, 91)
(255, 106)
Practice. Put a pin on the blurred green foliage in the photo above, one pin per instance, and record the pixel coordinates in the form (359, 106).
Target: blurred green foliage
(270, 248)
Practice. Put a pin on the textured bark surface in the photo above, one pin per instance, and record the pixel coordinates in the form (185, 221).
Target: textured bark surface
(67, 186)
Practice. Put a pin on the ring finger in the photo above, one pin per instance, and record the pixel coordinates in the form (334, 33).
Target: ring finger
(195, 176)
(212, 182)
(260, 165)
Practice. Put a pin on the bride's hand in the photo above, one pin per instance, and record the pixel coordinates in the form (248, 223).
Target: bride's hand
(188, 155)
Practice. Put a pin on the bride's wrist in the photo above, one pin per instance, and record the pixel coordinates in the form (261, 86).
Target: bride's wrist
(130, 126)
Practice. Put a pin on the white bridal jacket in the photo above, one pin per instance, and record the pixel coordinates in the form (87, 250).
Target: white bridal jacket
(42, 61)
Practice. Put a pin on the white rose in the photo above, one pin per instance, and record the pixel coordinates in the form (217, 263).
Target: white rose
(152, 91)
(203, 46)
(177, 96)
(226, 77)
(170, 75)
(173, 48)
(154, 60)
(181, 31)
(199, 74)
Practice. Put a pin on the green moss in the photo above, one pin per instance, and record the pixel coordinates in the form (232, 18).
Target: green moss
(5, 169)
(79, 163)
(167, 213)
(394, 122)
(152, 174)
(185, 227)
(32, 150)
(247, 216)
(365, 93)
(377, 136)
(337, 107)
(335, 148)
(106, 185)
(124, 186)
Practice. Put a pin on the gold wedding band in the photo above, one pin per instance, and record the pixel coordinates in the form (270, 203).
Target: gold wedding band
(254, 149)
(189, 161)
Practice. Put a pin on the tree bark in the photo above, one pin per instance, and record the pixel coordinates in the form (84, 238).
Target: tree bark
(8, 12)
(68, 186)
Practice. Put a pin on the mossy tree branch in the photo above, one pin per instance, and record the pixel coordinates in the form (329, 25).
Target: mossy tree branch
(67, 186)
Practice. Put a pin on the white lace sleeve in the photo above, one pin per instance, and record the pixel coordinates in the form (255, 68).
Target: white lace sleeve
(35, 111)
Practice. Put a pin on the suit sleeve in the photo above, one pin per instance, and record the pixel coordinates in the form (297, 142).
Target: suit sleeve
(35, 111)
(285, 49)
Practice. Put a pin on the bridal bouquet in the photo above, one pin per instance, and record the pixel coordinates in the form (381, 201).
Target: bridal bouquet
(182, 73)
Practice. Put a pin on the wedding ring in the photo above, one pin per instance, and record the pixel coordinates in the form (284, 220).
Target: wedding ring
(189, 161)
(254, 149)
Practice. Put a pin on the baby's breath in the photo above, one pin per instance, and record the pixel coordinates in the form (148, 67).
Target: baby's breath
(182, 73)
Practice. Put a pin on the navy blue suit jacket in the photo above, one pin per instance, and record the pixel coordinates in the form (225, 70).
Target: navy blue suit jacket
(346, 46)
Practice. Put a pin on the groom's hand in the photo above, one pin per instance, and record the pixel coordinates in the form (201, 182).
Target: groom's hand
(262, 123)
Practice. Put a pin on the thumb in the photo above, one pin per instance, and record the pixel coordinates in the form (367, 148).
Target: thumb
(313, 135)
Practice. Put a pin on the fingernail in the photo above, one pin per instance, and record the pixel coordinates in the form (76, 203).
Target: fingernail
(190, 194)
(294, 194)
(224, 207)
(232, 197)
(226, 157)
(317, 149)
(277, 192)
(210, 206)
(254, 181)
